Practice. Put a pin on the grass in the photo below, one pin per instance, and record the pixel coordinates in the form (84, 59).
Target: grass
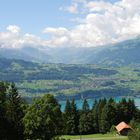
(106, 136)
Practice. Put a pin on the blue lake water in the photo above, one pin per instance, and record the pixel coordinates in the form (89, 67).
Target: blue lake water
(91, 101)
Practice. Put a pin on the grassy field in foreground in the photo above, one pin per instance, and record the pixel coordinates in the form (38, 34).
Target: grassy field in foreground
(106, 136)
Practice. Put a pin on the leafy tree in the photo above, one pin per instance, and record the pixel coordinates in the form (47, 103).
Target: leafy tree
(43, 119)
(135, 134)
(137, 115)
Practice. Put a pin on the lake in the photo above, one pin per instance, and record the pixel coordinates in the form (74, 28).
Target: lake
(91, 101)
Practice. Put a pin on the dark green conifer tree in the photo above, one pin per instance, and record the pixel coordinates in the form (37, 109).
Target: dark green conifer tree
(67, 118)
(95, 117)
(75, 117)
(132, 109)
(86, 119)
(3, 119)
(123, 111)
(85, 107)
(101, 104)
(14, 114)
(71, 118)
(108, 117)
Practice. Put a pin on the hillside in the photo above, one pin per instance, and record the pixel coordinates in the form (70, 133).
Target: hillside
(78, 81)
(119, 54)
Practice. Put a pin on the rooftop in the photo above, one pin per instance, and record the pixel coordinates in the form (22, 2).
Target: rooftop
(122, 126)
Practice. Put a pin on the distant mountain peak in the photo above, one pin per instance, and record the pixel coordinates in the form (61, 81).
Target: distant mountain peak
(123, 53)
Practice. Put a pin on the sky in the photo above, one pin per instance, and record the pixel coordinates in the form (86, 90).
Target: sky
(67, 23)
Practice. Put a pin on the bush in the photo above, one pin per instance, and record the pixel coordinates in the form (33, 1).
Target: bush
(113, 129)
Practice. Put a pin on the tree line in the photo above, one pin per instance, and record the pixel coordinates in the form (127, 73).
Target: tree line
(100, 119)
(43, 118)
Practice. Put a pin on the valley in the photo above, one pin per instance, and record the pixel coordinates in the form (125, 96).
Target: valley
(70, 70)
(72, 80)
(105, 71)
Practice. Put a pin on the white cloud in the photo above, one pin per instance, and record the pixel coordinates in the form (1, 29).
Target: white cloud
(77, 6)
(73, 8)
(56, 31)
(10, 38)
(99, 6)
(13, 38)
(103, 23)
(13, 28)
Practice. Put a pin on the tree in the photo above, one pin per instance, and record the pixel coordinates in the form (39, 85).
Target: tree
(67, 118)
(101, 104)
(95, 117)
(75, 117)
(14, 114)
(132, 109)
(71, 118)
(135, 134)
(126, 110)
(43, 119)
(85, 107)
(67, 110)
(86, 119)
(108, 117)
(3, 120)
(86, 123)
(11, 112)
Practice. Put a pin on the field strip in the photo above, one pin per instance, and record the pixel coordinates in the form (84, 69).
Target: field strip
(105, 138)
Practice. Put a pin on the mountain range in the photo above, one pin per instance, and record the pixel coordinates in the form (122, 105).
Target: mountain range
(111, 70)
(119, 54)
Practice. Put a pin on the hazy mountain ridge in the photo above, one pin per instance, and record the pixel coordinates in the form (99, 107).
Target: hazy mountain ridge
(120, 54)
(123, 53)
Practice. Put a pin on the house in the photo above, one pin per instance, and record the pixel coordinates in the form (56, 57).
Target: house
(123, 128)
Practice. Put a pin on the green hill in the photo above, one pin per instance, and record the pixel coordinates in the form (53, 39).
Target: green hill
(68, 81)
